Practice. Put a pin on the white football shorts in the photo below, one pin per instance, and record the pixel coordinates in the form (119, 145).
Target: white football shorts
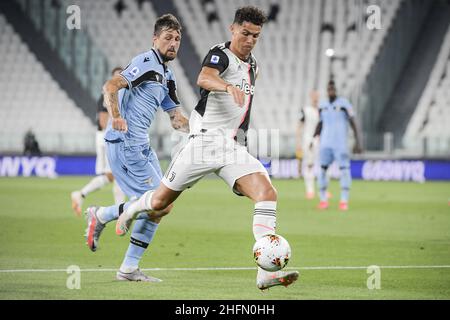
(101, 161)
(205, 154)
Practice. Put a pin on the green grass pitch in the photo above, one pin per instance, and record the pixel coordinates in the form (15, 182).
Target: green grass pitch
(388, 224)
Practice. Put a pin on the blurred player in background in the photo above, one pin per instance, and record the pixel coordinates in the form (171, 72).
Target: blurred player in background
(336, 113)
(217, 141)
(133, 97)
(307, 146)
(102, 167)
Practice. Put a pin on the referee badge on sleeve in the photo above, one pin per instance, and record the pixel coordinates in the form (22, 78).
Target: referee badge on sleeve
(215, 59)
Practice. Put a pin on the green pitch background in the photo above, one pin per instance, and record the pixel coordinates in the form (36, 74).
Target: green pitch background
(388, 224)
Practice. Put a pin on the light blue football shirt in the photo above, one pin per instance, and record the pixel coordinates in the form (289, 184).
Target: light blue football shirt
(335, 121)
(150, 85)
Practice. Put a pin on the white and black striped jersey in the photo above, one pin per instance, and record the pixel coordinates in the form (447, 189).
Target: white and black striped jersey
(309, 115)
(216, 112)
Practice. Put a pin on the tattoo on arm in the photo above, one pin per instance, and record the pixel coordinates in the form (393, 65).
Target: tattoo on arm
(110, 94)
(178, 120)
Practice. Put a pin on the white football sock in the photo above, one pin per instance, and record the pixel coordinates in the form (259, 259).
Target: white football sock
(264, 222)
(95, 184)
(119, 196)
(142, 204)
(264, 218)
(309, 179)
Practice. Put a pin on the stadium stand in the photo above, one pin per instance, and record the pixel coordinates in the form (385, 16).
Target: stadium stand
(294, 61)
(428, 130)
(291, 55)
(121, 37)
(32, 99)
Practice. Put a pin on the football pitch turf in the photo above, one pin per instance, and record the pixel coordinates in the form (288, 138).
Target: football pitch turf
(203, 249)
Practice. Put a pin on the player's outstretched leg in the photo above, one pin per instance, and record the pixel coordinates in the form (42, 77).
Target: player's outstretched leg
(78, 196)
(345, 180)
(98, 217)
(94, 228)
(77, 202)
(157, 202)
(264, 222)
(143, 232)
(135, 207)
(309, 182)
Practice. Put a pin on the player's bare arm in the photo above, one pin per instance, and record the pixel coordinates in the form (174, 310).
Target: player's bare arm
(210, 80)
(103, 118)
(357, 148)
(178, 120)
(298, 138)
(111, 99)
(316, 133)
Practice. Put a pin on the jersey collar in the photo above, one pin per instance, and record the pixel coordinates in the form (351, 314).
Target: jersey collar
(158, 57)
(249, 59)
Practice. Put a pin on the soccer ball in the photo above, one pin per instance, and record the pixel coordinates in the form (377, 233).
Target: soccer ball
(272, 252)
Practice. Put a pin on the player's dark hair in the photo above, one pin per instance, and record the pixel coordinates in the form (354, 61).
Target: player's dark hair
(331, 83)
(250, 14)
(116, 69)
(166, 22)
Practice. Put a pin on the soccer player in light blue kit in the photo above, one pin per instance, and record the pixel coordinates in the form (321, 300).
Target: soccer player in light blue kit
(335, 116)
(132, 99)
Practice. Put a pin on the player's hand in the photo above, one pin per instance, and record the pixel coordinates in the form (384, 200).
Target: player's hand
(357, 149)
(238, 95)
(299, 153)
(119, 124)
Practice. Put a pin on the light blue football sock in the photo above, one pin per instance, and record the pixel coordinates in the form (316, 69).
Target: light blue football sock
(143, 232)
(346, 181)
(323, 184)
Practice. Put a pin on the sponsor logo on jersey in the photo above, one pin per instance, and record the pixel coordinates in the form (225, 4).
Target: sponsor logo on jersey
(247, 87)
(215, 59)
(133, 72)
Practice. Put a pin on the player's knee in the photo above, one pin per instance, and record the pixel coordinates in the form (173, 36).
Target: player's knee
(268, 193)
(159, 204)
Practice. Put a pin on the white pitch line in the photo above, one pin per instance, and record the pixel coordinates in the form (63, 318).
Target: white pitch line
(228, 269)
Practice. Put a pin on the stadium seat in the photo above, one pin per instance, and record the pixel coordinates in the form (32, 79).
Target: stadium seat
(31, 99)
(430, 120)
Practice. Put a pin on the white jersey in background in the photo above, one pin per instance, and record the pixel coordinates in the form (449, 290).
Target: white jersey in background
(310, 118)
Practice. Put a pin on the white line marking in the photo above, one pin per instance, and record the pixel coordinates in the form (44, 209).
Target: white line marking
(227, 269)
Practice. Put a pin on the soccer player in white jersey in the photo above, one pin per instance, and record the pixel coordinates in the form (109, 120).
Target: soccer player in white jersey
(218, 128)
(103, 172)
(307, 145)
